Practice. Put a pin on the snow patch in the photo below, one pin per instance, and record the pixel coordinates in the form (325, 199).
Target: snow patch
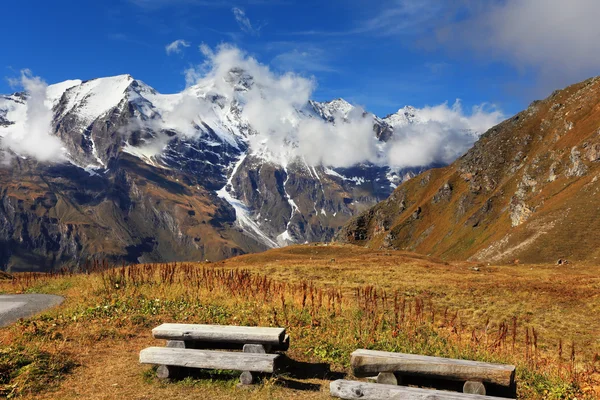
(331, 172)
(357, 179)
(146, 154)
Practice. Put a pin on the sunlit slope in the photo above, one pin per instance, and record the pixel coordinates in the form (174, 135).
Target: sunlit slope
(528, 190)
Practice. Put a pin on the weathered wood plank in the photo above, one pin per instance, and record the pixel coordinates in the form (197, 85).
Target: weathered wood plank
(209, 359)
(221, 333)
(351, 390)
(369, 363)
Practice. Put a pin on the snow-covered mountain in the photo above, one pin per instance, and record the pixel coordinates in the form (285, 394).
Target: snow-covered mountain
(152, 177)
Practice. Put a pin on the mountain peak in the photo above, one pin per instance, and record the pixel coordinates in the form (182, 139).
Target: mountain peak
(404, 116)
(240, 79)
(329, 110)
(339, 101)
(93, 98)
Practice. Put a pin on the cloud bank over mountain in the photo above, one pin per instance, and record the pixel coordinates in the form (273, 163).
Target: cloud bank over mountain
(271, 107)
(32, 136)
(445, 133)
(276, 108)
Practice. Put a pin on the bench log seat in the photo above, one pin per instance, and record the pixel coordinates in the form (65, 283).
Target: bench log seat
(352, 390)
(209, 359)
(367, 363)
(224, 336)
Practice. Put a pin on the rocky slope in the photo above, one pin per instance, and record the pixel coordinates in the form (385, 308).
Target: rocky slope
(528, 191)
(147, 177)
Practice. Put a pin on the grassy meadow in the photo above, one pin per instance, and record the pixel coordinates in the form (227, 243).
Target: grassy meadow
(332, 300)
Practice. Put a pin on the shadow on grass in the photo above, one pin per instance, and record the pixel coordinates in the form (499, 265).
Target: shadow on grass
(297, 385)
(290, 375)
(210, 375)
(305, 370)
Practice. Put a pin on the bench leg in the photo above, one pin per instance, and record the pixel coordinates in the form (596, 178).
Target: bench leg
(474, 387)
(176, 344)
(388, 378)
(168, 372)
(247, 378)
(256, 348)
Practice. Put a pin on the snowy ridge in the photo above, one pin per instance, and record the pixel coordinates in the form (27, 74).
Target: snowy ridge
(331, 109)
(55, 92)
(405, 116)
(12, 110)
(92, 99)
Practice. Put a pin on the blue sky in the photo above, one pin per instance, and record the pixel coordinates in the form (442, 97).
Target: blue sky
(379, 54)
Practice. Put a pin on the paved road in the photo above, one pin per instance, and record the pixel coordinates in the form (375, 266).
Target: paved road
(15, 306)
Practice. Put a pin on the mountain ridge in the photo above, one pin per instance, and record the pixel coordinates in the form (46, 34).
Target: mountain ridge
(133, 158)
(529, 183)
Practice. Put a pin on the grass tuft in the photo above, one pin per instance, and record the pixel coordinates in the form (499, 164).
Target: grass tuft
(29, 370)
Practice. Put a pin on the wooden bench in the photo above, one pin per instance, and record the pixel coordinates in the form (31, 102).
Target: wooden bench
(389, 367)
(351, 390)
(188, 344)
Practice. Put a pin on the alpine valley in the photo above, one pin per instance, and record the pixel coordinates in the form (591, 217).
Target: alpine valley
(143, 181)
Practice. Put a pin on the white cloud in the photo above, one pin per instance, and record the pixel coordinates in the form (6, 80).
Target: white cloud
(441, 135)
(271, 106)
(33, 137)
(402, 17)
(244, 22)
(391, 18)
(558, 40)
(310, 59)
(6, 157)
(275, 105)
(176, 46)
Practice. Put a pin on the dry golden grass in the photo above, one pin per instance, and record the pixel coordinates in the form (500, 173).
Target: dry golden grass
(332, 299)
(560, 302)
(4, 275)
